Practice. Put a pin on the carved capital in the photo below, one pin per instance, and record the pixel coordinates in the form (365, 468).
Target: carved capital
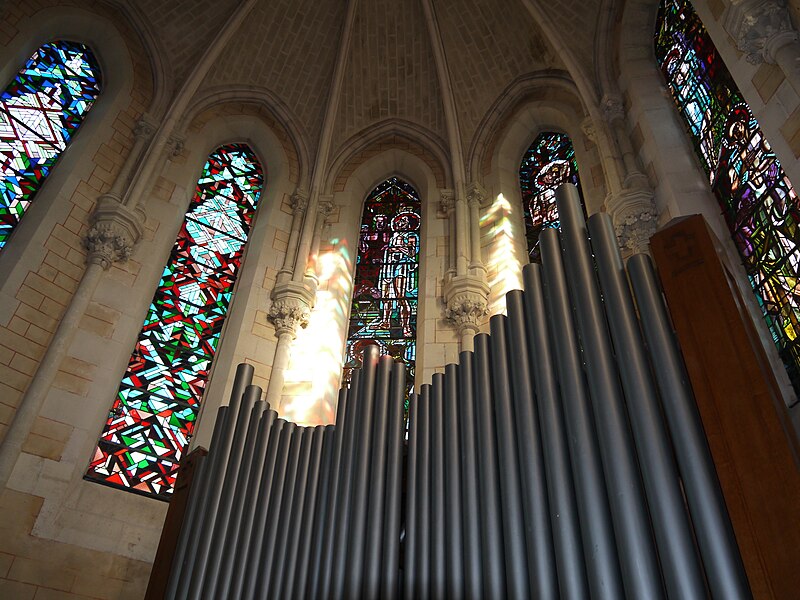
(144, 129)
(759, 28)
(589, 130)
(299, 201)
(326, 207)
(613, 108)
(113, 232)
(634, 215)
(477, 194)
(466, 303)
(446, 201)
(286, 315)
(174, 146)
(291, 307)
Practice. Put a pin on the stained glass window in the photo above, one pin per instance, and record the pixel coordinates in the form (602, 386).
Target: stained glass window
(549, 162)
(40, 111)
(758, 201)
(153, 416)
(384, 309)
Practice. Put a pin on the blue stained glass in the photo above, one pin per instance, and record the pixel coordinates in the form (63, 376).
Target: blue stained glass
(40, 111)
(386, 287)
(759, 203)
(152, 419)
(549, 162)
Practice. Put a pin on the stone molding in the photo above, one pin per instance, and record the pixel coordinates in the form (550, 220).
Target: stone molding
(466, 303)
(759, 28)
(291, 307)
(113, 232)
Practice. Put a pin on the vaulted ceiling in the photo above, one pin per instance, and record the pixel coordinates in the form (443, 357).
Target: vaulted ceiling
(289, 48)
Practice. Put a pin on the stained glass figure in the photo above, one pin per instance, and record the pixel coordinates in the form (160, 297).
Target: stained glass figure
(384, 309)
(40, 111)
(758, 200)
(549, 162)
(153, 417)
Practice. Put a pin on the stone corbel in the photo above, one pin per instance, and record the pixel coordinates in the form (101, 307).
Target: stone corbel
(114, 231)
(144, 129)
(174, 146)
(291, 307)
(634, 215)
(447, 201)
(299, 201)
(759, 28)
(589, 130)
(466, 303)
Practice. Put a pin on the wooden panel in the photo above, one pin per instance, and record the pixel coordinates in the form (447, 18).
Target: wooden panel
(744, 417)
(159, 576)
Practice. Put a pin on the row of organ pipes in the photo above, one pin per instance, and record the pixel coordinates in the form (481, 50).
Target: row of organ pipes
(563, 458)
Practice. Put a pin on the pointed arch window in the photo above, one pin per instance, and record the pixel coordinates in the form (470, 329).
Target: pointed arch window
(386, 286)
(757, 199)
(153, 416)
(549, 162)
(40, 112)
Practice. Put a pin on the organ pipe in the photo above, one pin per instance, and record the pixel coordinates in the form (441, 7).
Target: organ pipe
(563, 458)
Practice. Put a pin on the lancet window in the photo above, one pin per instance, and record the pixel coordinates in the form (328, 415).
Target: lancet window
(40, 112)
(756, 197)
(153, 416)
(549, 162)
(385, 293)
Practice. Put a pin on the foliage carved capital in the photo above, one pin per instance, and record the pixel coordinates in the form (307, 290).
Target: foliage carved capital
(113, 232)
(635, 217)
(466, 303)
(476, 194)
(291, 307)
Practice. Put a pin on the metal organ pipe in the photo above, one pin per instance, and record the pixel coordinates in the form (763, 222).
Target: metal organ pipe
(521, 473)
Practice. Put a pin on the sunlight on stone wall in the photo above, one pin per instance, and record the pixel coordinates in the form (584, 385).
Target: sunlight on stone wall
(503, 266)
(315, 367)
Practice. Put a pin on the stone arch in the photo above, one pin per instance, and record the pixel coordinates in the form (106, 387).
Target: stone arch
(436, 343)
(387, 135)
(230, 102)
(527, 108)
(105, 138)
(223, 123)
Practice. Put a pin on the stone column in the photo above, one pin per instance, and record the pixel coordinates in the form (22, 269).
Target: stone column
(476, 197)
(447, 206)
(763, 30)
(290, 310)
(299, 204)
(324, 210)
(462, 233)
(114, 231)
(306, 238)
(633, 207)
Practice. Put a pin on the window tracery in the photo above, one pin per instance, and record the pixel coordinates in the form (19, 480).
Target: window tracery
(40, 112)
(757, 199)
(153, 416)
